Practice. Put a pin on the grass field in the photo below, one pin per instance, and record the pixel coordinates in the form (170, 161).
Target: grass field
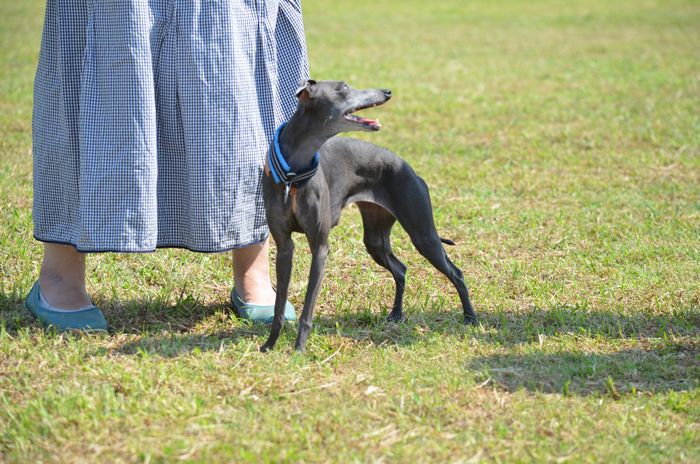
(561, 141)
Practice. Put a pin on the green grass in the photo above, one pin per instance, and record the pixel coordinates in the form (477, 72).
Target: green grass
(561, 141)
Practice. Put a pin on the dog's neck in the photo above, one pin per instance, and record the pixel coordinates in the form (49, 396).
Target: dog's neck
(299, 141)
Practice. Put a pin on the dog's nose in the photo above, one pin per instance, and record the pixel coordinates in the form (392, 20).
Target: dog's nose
(387, 93)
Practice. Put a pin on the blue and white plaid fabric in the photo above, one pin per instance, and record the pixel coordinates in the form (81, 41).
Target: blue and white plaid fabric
(153, 118)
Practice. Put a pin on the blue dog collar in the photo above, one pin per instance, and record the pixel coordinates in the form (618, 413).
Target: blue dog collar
(280, 170)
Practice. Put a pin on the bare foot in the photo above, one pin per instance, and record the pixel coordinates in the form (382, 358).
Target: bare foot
(251, 274)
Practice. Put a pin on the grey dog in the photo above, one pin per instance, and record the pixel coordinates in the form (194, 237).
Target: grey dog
(311, 175)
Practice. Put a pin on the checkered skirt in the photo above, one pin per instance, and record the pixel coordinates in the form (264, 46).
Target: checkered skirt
(152, 120)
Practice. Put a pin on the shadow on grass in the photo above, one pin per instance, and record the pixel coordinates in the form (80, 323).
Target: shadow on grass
(134, 316)
(529, 325)
(149, 326)
(172, 345)
(665, 356)
(509, 328)
(656, 366)
(172, 327)
(171, 330)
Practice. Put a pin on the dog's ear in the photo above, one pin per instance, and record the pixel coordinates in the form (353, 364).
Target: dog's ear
(305, 92)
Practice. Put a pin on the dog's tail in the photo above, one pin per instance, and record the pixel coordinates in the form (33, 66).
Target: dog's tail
(446, 241)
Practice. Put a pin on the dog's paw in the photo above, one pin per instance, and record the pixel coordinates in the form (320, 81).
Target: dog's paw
(396, 317)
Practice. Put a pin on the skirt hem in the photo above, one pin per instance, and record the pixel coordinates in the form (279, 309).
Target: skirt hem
(183, 247)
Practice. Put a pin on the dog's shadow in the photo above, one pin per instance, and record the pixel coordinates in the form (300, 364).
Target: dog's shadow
(659, 366)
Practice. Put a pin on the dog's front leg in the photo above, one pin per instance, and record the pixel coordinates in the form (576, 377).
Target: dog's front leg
(318, 266)
(283, 267)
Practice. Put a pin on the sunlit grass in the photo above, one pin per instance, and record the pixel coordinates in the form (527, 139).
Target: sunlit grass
(561, 141)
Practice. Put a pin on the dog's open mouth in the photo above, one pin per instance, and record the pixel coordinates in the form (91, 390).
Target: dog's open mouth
(373, 124)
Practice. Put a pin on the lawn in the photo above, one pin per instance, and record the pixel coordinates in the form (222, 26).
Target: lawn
(561, 141)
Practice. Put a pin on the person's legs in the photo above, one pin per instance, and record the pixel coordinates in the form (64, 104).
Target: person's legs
(62, 277)
(251, 274)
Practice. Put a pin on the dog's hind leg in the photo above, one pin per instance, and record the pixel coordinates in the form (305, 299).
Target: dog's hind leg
(431, 248)
(377, 223)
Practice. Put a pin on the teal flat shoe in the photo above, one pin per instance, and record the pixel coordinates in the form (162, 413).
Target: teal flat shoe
(88, 319)
(259, 313)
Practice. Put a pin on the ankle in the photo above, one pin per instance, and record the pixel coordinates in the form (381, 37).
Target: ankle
(62, 277)
(63, 292)
(255, 288)
(251, 273)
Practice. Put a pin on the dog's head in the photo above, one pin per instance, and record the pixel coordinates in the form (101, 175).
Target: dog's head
(332, 104)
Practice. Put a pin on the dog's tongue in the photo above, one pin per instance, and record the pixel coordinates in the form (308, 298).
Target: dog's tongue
(371, 122)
